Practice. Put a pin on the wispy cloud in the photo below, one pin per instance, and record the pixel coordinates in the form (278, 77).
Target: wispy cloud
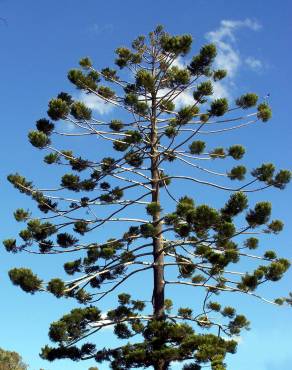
(227, 28)
(228, 57)
(228, 54)
(221, 90)
(98, 29)
(95, 103)
(254, 63)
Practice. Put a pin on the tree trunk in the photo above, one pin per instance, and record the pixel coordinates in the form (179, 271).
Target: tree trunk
(158, 255)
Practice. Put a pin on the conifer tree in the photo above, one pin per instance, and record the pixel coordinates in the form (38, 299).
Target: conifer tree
(10, 360)
(154, 147)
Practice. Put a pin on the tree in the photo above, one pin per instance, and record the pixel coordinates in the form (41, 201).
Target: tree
(11, 361)
(154, 141)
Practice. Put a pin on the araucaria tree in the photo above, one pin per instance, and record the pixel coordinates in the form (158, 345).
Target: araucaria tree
(154, 147)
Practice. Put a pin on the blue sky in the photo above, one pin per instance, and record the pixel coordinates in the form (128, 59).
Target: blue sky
(41, 40)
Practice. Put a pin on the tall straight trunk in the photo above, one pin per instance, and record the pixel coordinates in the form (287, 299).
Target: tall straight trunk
(158, 255)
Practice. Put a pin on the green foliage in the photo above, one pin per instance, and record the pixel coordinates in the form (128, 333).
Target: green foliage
(145, 80)
(204, 118)
(282, 178)
(168, 304)
(37, 230)
(197, 147)
(170, 131)
(218, 107)
(133, 137)
(202, 218)
(109, 74)
(176, 44)
(51, 158)
(85, 62)
(126, 57)
(80, 111)
(204, 89)
(10, 360)
(260, 214)
(275, 227)
(236, 151)
(72, 267)
(238, 323)
(65, 97)
(106, 92)
(83, 81)
(81, 227)
(228, 312)
(219, 74)
(264, 173)
(147, 230)
(120, 145)
(276, 269)
(58, 109)
(218, 153)
(21, 215)
(79, 164)
(74, 324)
(177, 77)
(235, 205)
(45, 126)
(185, 114)
(134, 159)
(137, 106)
(10, 245)
(264, 112)
(56, 287)
(124, 298)
(251, 243)
(25, 279)
(153, 208)
(237, 173)
(271, 255)
(201, 63)
(66, 240)
(38, 139)
(184, 206)
(70, 182)
(185, 312)
(247, 101)
(214, 306)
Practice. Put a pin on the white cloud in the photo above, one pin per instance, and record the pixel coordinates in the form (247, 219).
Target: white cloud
(250, 23)
(220, 90)
(227, 58)
(227, 28)
(254, 63)
(183, 99)
(180, 63)
(228, 55)
(98, 29)
(95, 103)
